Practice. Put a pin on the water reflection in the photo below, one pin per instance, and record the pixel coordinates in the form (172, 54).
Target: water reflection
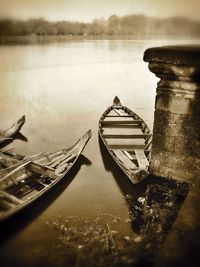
(153, 205)
(31, 212)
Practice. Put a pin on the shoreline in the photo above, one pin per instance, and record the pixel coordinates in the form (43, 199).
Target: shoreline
(35, 39)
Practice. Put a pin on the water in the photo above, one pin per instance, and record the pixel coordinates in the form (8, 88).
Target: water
(63, 89)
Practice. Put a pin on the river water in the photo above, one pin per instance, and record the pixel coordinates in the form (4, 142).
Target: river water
(63, 88)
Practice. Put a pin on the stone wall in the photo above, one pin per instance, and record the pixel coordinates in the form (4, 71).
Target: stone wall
(176, 133)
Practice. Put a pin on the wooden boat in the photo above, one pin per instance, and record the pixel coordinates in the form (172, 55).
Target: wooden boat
(8, 134)
(28, 179)
(128, 140)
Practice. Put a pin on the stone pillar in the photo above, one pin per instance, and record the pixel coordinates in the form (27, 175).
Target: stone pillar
(176, 132)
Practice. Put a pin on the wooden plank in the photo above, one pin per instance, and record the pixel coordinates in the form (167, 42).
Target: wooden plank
(6, 205)
(120, 112)
(125, 143)
(58, 160)
(148, 154)
(42, 166)
(10, 197)
(112, 113)
(118, 126)
(126, 146)
(111, 141)
(124, 159)
(148, 138)
(62, 168)
(141, 158)
(49, 158)
(112, 122)
(148, 145)
(134, 136)
(121, 116)
(8, 161)
(128, 155)
(118, 119)
(54, 161)
(130, 152)
(65, 164)
(122, 131)
(42, 170)
(67, 160)
(14, 171)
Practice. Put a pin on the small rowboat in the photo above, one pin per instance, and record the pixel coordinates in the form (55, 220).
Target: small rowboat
(128, 140)
(28, 179)
(6, 135)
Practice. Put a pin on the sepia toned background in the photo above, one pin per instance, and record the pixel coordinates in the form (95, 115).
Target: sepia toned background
(62, 63)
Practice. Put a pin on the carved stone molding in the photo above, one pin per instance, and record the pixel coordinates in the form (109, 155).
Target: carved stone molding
(176, 133)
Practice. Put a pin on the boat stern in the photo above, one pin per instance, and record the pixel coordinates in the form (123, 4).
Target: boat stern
(138, 176)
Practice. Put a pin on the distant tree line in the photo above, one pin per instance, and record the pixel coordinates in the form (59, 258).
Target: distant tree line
(137, 26)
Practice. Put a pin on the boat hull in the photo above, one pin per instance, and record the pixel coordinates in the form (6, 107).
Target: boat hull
(127, 139)
(37, 175)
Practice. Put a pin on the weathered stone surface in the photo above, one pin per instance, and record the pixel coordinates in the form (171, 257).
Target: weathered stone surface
(181, 55)
(184, 73)
(184, 133)
(176, 134)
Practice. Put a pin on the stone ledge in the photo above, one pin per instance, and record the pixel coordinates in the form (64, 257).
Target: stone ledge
(178, 55)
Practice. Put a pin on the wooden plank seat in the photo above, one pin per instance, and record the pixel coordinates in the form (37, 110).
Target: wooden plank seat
(118, 119)
(125, 143)
(42, 169)
(121, 116)
(124, 159)
(123, 136)
(121, 125)
(122, 131)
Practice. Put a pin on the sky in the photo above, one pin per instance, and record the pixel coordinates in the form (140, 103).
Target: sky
(87, 10)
